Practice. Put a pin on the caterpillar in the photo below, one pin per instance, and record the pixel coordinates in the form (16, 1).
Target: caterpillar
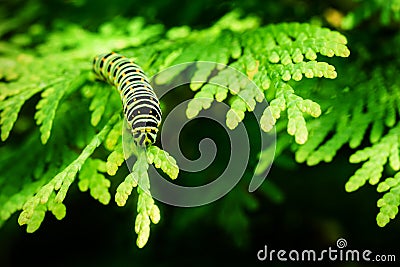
(140, 103)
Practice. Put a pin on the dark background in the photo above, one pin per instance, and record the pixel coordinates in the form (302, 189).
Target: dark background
(309, 209)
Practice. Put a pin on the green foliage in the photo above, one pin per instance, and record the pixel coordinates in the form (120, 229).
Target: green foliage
(24, 16)
(162, 160)
(147, 210)
(58, 76)
(389, 10)
(390, 201)
(91, 177)
(80, 120)
(349, 114)
(33, 211)
(376, 156)
(359, 111)
(272, 56)
(354, 117)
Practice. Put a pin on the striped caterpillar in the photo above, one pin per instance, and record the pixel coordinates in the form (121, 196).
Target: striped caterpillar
(140, 103)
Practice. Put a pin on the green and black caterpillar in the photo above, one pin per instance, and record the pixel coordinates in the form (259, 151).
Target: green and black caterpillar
(140, 103)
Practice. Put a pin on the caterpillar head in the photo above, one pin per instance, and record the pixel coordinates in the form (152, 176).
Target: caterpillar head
(145, 137)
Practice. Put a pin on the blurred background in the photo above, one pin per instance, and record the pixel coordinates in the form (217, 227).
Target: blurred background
(298, 207)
